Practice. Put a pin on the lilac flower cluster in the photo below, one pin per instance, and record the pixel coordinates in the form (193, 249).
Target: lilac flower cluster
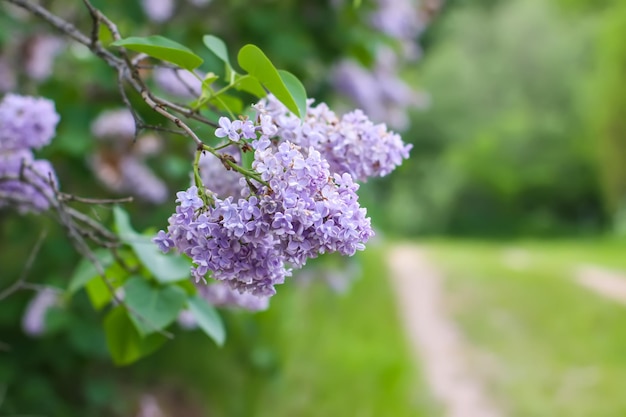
(26, 123)
(220, 295)
(251, 244)
(41, 51)
(400, 19)
(379, 89)
(299, 200)
(25, 182)
(160, 11)
(221, 182)
(351, 144)
(34, 318)
(178, 82)
(8, 78)
(235, 129)
(119, 162)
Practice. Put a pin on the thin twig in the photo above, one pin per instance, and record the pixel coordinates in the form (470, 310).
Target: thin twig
(69, 29)
(82, 217)
(19, 284)
(161, 110)
(86, 200)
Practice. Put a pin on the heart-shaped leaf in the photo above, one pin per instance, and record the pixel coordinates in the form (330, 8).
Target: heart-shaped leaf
(124, 342)
(152, 307)
(208, 319)
(164, 268)
(86, 271)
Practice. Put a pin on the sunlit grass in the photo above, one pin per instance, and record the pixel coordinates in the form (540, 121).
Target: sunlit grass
(314, 353)
(548, 346)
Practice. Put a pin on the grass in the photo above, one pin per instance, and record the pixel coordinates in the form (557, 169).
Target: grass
(313, 353)
(548, 347)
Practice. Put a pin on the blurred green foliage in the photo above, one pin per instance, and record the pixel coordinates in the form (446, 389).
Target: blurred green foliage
(525, 132)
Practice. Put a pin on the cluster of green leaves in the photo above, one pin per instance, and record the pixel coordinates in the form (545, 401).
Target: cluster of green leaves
(153, 289)
(261, 77)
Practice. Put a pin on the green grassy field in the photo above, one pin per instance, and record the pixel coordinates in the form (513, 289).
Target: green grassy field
(313, 353)
(545, 345)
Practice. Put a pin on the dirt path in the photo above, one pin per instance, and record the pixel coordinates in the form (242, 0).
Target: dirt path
(438, 345)
(608, 283)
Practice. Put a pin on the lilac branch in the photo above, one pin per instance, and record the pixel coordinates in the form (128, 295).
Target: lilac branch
(21, 281)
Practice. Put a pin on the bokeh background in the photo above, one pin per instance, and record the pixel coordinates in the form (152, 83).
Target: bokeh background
(516, 182)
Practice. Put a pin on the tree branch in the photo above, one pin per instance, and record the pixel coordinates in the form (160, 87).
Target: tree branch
(19, 284)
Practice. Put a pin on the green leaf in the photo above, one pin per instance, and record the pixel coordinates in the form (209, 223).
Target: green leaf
(209, 79)
(123, 340)
(162, 48)
(164, 268)
(250, 85)
(99, 293)
(218, 47)
(208, 319)
(155, 307)
(257, 64)
(188, 287)
(122, 223)
(86, 271)
(228, 103)
(297, 90)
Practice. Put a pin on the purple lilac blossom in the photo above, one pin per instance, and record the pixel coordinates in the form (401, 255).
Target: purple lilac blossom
(223, 183)
(187, 320)
(379, 91)
(114, 124)
(120, 164)
(149, 407)
(25, 183)
(147, 144)
(33, 320)
(251, 243)
(178, 82)
(158, 10)
(42, 50)
(399, 19)
(404, 20)
(142, 182)
(236, 129)
(26, 122)
(8, 80)
(303, 204)
(129, 175)
(220, 295)
(352, 144)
